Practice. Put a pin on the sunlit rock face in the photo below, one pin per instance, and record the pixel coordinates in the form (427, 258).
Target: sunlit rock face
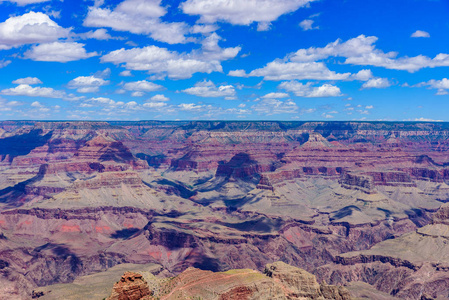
(329, 197)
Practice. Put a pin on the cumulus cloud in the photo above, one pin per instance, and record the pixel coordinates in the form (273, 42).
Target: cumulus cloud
(238, 73)
(162, 62)
(377, 83)
(87, 84)
(125, 73)
(139, 17)
(139, 88)
(155, 105)
(159, 97)
(307, 25)
(99, 34)
(307, 63)
(211, 51)
(309, 91)
(275, 95)
(362, 51)
(208, 89)
(362, 75)
(28, 90)
(58, 52)
(275, 106)
(287, 70)
(27, 80)
(241, 12)
(191, 107)
(203, 29)
(441, 85)
(420, 33)
(30, 28)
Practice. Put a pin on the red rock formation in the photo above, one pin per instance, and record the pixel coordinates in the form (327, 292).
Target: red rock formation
(280, 281)
(131, 286)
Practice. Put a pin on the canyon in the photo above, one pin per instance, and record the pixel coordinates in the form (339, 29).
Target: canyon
(356, 204)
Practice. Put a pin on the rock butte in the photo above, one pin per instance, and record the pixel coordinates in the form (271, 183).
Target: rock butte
(359, 204)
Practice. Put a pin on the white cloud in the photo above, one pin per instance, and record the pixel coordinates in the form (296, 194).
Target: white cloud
(99, 34)
(307, 25)
(87, 84)
(281, 70)
(362, 75)
(191, 107)
(420, 33)
(377, 83)
(139, 17)
(27, 80)
(241, 12)
(263, 26)
(424, 120)
(8, 105)
(26, 2)
(307, 90)
(437, 84)
(238, 73)
(362, 51)
(142, 86)
(275, 106)
(162, 62)
(275, 95)
(30, 28)
(103, 101)
(125, 73)
(203, 29)
(155, 104)
(208, 89)
(59, 52)
(27, 90)
(159, 97)
(211, 51)
(441, 85)
(137, 94)
(4, 63)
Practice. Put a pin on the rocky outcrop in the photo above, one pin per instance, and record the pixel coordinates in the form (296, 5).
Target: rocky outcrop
(299, 283)
(131, 286)
(279, 281)
(358, 181)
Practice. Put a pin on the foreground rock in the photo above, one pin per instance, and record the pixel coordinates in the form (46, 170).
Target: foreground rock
(279, 281)
(131, 286)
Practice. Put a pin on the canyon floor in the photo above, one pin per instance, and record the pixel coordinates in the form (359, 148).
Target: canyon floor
(356, 204)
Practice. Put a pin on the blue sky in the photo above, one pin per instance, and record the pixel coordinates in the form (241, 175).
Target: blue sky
(224, 59)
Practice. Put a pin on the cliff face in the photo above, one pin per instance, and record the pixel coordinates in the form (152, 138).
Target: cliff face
(394, 266)
(82, 197)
